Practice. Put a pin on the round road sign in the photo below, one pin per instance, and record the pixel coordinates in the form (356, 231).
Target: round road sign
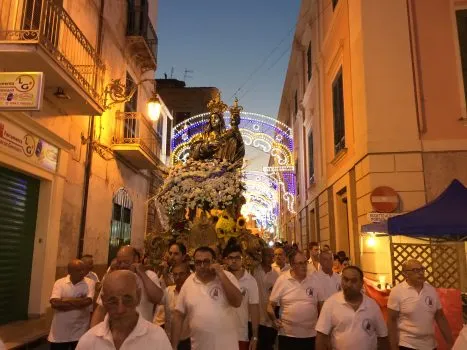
(384, 199)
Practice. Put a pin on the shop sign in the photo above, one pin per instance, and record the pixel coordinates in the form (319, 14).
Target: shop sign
(24, 145)
(380, 217)
(21, 91)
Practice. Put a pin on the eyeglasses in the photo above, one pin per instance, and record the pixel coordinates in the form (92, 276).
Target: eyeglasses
(416, 270)
(203, 262)
(239, 257)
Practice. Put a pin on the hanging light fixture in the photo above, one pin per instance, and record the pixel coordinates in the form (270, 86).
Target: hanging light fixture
(154, 107)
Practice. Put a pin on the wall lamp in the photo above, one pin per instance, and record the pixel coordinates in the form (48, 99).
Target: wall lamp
(115, 92)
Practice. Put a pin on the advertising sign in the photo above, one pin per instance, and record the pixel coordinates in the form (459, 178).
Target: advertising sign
(17, 141)
(21, 91)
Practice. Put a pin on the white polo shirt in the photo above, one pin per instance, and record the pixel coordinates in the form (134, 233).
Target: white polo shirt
(145, 336)
(249, 289)
(69, 326)
(311, 268)
(328, 285)
(169, 303)
(351, 329)
(265, 282)
(299, 303)
(211, 318)
(416, 314)
(92, 275)
(145, 307)
(280, 270)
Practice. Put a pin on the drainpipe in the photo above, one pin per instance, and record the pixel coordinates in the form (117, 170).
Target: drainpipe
(89, 143)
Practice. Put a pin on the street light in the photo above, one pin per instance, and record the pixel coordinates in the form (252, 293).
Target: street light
(115, 93)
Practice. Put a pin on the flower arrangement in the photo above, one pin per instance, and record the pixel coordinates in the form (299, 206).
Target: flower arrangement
(200, 184)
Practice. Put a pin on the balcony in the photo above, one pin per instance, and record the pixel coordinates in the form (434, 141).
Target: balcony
(141, 39)
(136, 140)
(40, 36)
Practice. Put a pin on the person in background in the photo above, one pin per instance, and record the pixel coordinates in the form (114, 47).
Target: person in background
(336, 264)
(313, 261)
(306, 252)
(326, 248)
(280, 263)
(250, 303)
(413, 306)
(329, 282)
(265, 276)
(295, 291)
(180, 273)
(345, 262)
(207, 298)
(123, 327)
(176, 255)
(351, 320)
(151, 292)
(71, 298)
(89, 262)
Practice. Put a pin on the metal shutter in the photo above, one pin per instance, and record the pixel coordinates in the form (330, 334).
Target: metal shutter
(18, 210)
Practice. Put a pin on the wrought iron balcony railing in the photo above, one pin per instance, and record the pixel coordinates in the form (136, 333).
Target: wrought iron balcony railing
(45, 22)
(133, 129)
(139, 25)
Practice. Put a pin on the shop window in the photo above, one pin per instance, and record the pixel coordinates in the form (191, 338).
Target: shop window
(120, 228)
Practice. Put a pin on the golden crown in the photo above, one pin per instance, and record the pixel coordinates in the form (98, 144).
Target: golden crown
(235, 109)
(216, 105)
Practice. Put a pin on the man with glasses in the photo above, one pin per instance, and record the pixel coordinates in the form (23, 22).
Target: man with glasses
(295, 291)
(413, 305)
(208, 298)
(250, 304)
(280, 262)
(123, 327)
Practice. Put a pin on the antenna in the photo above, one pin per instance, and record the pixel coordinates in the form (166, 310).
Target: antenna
(187, 75)
(172, 72)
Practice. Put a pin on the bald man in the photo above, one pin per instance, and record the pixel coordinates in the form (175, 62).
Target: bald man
(71, 299)
(151, 292)
(123, 328)
(280, 262)
(413, 306)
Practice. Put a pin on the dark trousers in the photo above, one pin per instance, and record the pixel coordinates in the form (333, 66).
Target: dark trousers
(184, 344)
(63, 346)
(287, 343)
(266, 338)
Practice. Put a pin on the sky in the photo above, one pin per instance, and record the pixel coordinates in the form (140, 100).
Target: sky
(229, 45)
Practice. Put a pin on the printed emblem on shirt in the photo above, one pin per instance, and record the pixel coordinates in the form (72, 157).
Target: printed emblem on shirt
(366, 326)
(215, 292)
(429, 301)
(243, 290)
(309, 292)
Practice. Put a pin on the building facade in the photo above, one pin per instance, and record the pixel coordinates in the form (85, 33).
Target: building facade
(376, 94)
(75, 174)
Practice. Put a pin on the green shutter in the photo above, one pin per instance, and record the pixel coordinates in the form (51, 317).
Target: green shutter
(18, 212)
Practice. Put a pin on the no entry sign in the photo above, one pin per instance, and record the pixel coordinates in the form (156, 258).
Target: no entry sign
(384, 199)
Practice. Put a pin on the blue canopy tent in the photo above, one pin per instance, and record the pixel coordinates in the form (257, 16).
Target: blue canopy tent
(445, 217)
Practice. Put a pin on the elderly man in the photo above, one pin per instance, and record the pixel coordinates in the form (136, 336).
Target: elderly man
(89, 262)
(313, 262)
(295, 291)
(329, 282)
(207, 298)
(349, 319)
(265, 276)
(151, 292)
(249, 310)
(413, 305)
(123, 328)
(70, 299)
(280, 263)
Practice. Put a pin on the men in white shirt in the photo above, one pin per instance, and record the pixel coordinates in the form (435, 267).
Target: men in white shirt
(265, 276)
(313, 262)
(70, 299)
(295, 291)
(89, 263)
(329, 282)
(123, 328)
(349, 319)
(208, 298)
(413, 306)
(250, 304)
(179, 273)
(280, 263)
(151, 292)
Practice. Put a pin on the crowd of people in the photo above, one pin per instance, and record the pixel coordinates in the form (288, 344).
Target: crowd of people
(292, 300)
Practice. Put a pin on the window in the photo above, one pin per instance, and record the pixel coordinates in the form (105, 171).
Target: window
(132, 104)
(168, 136)
(295, 106)
(311, 168)
(334, 3)
(461, 17)
(120, 228)
(308, 61)
(338, 112)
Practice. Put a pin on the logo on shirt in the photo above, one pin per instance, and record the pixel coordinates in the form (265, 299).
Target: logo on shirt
(366, 326)
(243, 290)
(309, 292)
(215, 292)
(429, 301)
